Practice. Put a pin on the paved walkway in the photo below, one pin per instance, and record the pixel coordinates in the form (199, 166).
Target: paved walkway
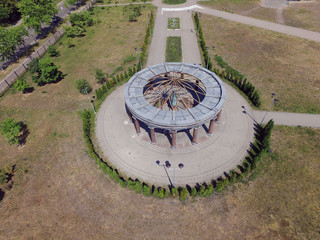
(288, 118)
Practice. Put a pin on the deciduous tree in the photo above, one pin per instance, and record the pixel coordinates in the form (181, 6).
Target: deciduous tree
(10, 38)
(10, 129)
(37, 12)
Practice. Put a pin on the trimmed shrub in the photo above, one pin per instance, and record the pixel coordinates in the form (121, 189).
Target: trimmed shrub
(221, 183)
(138, 187)
(146, 190)
(174, 192)
(193, 192)
(53, 52)
(183, 194)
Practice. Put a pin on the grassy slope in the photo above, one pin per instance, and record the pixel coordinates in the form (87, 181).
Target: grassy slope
(273, 62)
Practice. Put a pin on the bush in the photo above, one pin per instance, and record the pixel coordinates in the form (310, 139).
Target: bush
(74, 31)
(83, 86)
(161, 193)
(21, 85)
(155, 192)
(174, 192)
(11, 130)
(146, 190)
(221, 184)
(138, 187)
(100, 76)
(53, 52)
(193, 192)
(183, 194)
(47, 72)
(33, 66)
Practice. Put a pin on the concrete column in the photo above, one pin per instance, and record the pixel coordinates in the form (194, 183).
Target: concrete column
(219, 116)
(174, 139)
(211, 125)
(152, 135)
(195, 135)
(137, 126)
(130, 115)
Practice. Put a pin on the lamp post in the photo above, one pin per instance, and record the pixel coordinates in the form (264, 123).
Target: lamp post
(168, 165)
(274, 101)
(85, 89)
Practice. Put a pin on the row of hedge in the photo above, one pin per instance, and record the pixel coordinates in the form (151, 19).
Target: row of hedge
(228, 73)
(258, 149)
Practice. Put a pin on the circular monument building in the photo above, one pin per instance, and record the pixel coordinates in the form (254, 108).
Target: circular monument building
(174, 96)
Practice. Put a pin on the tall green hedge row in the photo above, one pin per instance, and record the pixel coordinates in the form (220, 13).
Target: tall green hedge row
(228, 73)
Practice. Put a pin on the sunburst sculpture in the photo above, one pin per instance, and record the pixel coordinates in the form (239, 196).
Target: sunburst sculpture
(174, 91)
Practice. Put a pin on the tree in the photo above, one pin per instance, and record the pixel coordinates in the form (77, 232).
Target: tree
(10, 129)
(81, 19)
(4, 13)
(21, 85)
(100, 76)
(33, 66)
(53, 52)
(74, 31)
(10, 38)
(83, 86)
(47, 72)
(37, 12)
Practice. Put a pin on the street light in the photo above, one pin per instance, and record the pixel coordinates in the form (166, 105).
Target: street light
(274, 101)
(85, 89)
(167, 165)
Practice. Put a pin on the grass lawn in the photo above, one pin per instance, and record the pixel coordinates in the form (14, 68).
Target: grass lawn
(173, 49)
(273, 62)
(173, 23)
(304, 14)
(173, 2)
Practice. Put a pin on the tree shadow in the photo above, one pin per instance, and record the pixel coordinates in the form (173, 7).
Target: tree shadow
(29, 90)
(2, 193)
(24, 134)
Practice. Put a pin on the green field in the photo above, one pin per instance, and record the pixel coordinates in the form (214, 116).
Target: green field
(173, 49)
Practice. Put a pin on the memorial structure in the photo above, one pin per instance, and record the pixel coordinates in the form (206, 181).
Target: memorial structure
(174, 97)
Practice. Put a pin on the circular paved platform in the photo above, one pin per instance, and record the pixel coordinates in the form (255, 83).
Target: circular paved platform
(134, 156)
